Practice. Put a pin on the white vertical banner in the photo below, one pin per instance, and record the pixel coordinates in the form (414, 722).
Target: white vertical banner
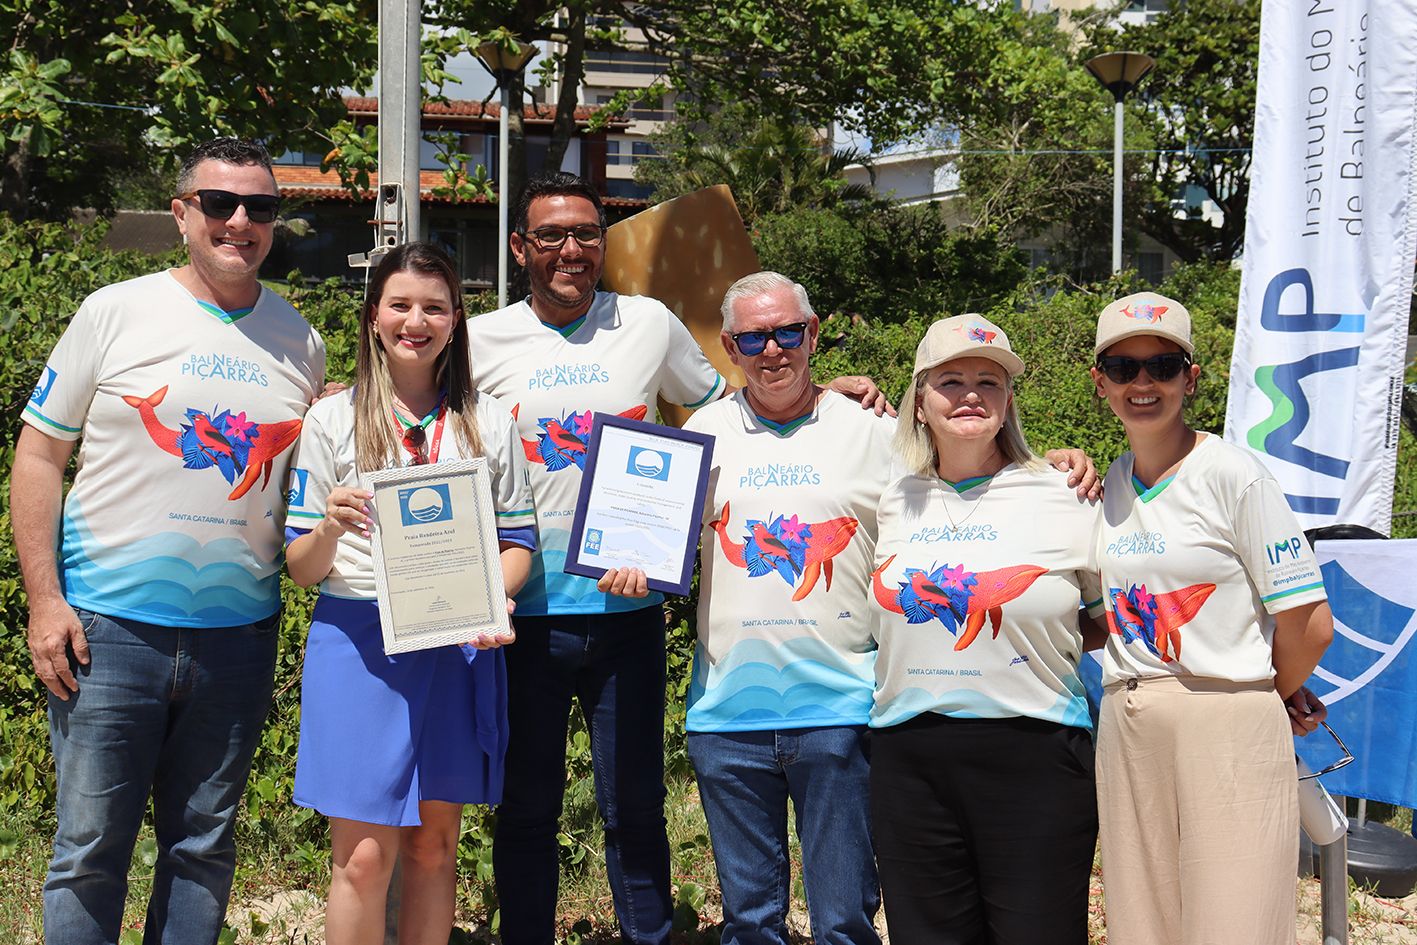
(1316, 375)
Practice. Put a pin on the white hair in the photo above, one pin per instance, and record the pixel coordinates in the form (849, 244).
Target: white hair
(760, 283)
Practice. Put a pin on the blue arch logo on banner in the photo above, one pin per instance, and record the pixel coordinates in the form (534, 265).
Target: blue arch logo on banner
(1368, 676)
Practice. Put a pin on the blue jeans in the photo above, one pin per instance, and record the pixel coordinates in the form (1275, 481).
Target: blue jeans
(745, 780)
(167, 711)
(614, 665)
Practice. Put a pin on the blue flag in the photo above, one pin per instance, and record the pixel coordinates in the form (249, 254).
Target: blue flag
(1368, 677)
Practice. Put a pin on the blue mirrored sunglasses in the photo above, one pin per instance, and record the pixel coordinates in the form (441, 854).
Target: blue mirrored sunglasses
(751, 343)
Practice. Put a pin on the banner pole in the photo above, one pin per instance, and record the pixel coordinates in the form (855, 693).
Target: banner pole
(1333, 891)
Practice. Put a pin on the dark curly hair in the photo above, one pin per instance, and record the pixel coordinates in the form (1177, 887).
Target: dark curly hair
(227, 150)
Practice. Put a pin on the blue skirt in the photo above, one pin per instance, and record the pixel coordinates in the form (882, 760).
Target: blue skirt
(380, 733)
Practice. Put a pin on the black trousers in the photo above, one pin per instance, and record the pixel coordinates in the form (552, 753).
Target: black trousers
(985, 830)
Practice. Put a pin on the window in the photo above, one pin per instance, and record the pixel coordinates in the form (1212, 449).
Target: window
(1151, 267)
(298, 158)
(622, 187)
(624, 60)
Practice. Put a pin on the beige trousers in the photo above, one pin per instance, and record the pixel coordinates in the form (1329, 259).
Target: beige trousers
(1198, 810)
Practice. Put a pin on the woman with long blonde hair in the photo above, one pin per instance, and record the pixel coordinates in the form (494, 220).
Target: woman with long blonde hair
(392, 746)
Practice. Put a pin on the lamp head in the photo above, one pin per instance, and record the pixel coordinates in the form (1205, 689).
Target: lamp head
(1120, 72)
(505, 59)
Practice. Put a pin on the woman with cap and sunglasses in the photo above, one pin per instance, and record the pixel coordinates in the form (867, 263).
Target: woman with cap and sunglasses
(982, 799)
(1216, 614)
(391, 747)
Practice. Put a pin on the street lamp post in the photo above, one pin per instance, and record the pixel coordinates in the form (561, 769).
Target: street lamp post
(504, 61)
(1119, 73)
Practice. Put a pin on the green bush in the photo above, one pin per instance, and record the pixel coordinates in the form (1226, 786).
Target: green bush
(890, 263)
(46, 270)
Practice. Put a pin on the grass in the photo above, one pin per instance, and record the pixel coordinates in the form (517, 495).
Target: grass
(278, 895)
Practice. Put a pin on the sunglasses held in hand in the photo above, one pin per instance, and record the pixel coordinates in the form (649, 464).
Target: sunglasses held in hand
(221, 204)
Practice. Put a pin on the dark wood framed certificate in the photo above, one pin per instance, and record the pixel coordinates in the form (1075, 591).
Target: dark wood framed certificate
(436, 564)
(641, 502)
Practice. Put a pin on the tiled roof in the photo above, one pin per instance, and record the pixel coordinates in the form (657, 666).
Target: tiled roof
(465, 108)
(307, 183)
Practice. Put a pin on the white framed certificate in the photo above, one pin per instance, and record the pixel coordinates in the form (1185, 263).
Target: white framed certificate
(641, 502)
(436, 563)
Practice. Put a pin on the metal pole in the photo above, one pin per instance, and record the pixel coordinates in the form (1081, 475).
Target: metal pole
(1117, 188)
(400, 111)
(1333, 891)
(502, 234)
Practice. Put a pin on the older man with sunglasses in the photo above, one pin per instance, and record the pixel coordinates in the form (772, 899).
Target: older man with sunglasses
(154, 585)
(783, 670)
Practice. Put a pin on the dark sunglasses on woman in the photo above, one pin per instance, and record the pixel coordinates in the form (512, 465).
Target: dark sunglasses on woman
(221, 204)
(1161, 367)
(755, 342)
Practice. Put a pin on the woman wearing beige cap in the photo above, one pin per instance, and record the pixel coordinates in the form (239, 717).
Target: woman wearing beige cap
(1216, 614)
(982, 799)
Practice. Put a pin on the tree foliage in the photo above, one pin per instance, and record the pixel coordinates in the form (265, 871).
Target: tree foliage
(1199, 105)
(1036, 148)
(770, 167)
(884, 68)
(89, 90)
(889, 263)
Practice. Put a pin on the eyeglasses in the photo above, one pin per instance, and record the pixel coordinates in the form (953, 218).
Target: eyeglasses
(414, 439)
(221, 204)
(554, 237)
(1346, 760)
(1162, 367)
(755, 342)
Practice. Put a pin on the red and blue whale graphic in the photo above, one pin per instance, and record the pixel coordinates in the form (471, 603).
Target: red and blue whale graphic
(954, 596)
(1155, 619)
(241, 450)
(788, 547)
(562, 441)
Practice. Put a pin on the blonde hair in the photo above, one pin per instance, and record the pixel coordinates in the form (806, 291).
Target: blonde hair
(915, 446)
(376, 445)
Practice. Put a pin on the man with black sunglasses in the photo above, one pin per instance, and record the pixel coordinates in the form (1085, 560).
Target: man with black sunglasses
(154, 585)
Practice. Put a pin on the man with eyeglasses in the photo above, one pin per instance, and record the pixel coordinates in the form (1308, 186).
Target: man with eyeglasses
(556, 358)
(154, 585)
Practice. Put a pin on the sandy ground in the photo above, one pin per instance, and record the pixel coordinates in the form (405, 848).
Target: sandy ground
(295, 918)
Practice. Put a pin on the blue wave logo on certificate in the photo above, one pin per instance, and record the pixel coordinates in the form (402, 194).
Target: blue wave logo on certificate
(593, 538)
(424, 505)
(648, 464)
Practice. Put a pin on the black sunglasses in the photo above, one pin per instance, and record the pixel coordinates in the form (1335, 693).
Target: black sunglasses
(413, 440)
(221, 204)
(1162, 367)
(1343, 762)
(755, 342)
(553, 237)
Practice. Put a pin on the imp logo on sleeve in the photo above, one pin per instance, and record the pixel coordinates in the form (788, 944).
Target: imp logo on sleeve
(424, 505)
(647, 463)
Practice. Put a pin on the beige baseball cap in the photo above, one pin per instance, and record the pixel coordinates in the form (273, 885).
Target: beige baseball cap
(1144, 313)
(966, 336)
